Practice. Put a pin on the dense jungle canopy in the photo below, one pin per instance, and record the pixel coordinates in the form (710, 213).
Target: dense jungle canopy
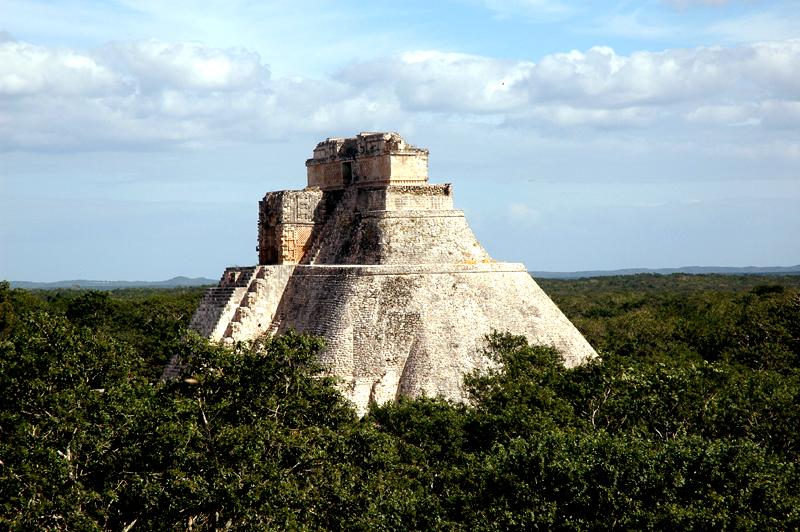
(690, 421)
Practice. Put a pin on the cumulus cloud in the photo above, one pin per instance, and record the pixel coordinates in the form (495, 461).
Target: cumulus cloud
(26, 69)
(148, 93)
(151, 93)
(442, 81)
(158, 65)
(602, 78)
(595, 87)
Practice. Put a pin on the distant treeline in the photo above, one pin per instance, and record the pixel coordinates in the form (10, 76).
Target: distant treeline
(691, 270)
(690, 421)
(85, 284)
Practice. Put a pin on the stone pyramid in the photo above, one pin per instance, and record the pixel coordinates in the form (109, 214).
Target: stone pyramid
(377, 261)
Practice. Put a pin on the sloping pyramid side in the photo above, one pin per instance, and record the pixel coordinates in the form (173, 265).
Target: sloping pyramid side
(417, 329)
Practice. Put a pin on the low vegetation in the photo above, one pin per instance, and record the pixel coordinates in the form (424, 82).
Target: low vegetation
(691, 420)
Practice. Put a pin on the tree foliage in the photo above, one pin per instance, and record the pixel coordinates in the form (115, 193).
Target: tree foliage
(690, 421)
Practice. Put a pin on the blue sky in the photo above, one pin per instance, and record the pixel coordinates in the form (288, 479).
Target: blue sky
(136, 137)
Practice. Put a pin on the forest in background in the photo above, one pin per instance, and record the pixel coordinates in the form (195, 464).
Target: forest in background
(690, 421)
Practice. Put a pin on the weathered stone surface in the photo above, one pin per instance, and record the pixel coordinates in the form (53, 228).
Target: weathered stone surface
(367, 159)
(389, 274)
(415, 329)
(287, 221)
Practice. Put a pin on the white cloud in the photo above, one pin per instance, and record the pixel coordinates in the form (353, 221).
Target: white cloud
(602, 78)
(152, 93)
(596, 87)
(726, 115)
(566, 116)
(295, 38)
(26, 69)
(442, 81)
(770, 114)
(157, 65)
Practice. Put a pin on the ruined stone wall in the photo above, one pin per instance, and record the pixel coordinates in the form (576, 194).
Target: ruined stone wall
(366, 160)
(405, 237)
(325, 176)
(396, 225)
(402, 198)
(287, 223)
(408, 169)
(399, 169)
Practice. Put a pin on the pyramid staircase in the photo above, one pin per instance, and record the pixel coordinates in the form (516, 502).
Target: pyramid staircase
(220, 303)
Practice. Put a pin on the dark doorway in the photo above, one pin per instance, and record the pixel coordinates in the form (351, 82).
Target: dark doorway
(347, 173)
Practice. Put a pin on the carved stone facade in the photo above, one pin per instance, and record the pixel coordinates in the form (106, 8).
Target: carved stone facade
(286, 224)
(379, 263)
(366, 160)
